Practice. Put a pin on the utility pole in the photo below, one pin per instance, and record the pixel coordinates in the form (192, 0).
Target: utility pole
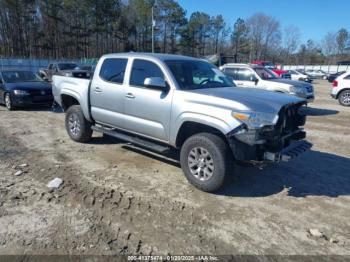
(153, 23)
(152, 29)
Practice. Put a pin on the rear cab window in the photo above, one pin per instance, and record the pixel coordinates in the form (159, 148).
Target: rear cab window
(142, 69)
(113, 70)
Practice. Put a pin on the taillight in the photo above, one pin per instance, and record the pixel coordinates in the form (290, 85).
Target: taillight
(335, 83)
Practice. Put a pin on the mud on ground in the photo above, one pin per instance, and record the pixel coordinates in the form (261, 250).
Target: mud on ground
(118, 199)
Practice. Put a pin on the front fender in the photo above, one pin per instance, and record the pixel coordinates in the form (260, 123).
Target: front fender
(220, 124)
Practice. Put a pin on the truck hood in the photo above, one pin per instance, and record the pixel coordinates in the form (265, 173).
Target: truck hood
(246, 99)
(290, 82)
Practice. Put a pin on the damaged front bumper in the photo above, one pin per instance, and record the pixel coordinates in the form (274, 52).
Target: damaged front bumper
(274, 142)
(288, 153)
(267, 144)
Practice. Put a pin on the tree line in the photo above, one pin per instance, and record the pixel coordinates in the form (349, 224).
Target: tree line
(90, 28)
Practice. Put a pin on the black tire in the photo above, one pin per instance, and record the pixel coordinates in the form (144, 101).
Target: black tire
(220, 154)
(344, 97)
(78, 128)
(8, 102)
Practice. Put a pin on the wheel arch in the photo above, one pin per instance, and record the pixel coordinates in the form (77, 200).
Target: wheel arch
(67, 100)
(340, 91)
(190, 128)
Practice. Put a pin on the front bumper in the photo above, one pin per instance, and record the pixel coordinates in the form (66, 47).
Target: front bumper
(32, 100)
(270, 142)
(309, 97)
(270, 149)
(288, 153)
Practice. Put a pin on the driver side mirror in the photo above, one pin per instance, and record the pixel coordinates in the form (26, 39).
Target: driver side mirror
(155, 83)
(254, 79)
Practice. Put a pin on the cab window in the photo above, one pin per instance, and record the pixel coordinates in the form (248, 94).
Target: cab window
(142, 69)
(113, 70)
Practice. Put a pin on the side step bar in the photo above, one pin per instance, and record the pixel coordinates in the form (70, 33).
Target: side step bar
(132, 139)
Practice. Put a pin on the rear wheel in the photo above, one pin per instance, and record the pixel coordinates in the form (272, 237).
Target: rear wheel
(8, 102)
(344, 98)
(206, 160)
(78, 128)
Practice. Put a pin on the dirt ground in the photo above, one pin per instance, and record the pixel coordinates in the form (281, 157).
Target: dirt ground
(118, 199)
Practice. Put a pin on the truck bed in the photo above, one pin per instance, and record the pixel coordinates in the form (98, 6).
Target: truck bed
(75, 87)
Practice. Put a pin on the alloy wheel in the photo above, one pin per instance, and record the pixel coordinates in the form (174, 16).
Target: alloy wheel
(74, 124)
(200, 163)
(8, 102)
(345, 98)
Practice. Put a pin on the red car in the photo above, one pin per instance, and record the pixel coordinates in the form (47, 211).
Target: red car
(273, 67)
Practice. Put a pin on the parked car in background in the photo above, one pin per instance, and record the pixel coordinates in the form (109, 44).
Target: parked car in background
(341, 89)
(332, 77)
(298, 76)
(88, 68)
(23, 88)
(167, 102)
(64, 69)
(317, 74)
(260, 77)
(270, 65)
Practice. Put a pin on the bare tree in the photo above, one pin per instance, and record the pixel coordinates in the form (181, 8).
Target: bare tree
(342, 39)
(291, 41)
(329, 46)
(264, 34)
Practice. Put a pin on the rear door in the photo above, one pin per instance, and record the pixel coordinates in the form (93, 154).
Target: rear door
(147, 109)
(107, 93)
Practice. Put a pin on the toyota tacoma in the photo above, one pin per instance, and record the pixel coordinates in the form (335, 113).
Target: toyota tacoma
(167, 102)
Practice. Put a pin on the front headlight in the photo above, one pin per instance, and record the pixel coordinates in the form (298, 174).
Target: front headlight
(255, 120)
(297, 90)
(68, 74)
(20, 92)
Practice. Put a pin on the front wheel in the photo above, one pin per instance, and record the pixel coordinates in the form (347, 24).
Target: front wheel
(344, 98)
(206, 160)
(78, 128)
(8, 102)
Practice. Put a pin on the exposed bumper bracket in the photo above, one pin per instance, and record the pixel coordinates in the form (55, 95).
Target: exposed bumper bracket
(288, 153)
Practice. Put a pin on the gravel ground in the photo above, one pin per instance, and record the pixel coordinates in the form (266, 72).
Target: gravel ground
(118, 199)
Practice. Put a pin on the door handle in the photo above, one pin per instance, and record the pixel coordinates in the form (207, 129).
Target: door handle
(129, 95)
(239, 83)
(98, 90)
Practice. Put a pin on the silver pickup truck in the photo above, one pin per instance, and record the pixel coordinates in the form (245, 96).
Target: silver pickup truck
(167, 102)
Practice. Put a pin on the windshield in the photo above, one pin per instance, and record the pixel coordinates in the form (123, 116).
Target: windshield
(195, 74)
(86, 67)
(269, 65)
(265, 73)
(67, 66)
(20, 76)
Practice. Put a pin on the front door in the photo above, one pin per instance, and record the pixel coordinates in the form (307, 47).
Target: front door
(107, 93)
(147, 110)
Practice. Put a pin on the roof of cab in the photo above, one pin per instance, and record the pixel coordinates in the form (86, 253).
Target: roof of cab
(158, 56)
